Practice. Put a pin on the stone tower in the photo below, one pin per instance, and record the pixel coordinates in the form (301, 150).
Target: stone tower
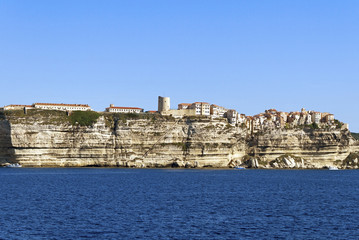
(163, 104)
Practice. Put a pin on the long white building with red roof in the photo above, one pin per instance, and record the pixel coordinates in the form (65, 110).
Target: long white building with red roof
(112, 108)
(62, 106)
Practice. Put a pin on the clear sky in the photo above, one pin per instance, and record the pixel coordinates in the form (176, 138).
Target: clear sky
(247, 55)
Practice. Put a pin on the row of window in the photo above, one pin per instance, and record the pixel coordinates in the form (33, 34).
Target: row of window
(63, 108)
(125, 110)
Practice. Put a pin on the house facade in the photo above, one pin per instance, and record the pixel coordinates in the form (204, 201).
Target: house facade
(232, 116)
(316, 117)
(62, 106)
(184, 106)
(114, 109)
(217, 111)
(202, 108)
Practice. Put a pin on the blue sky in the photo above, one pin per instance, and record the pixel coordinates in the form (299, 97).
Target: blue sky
(247, 55)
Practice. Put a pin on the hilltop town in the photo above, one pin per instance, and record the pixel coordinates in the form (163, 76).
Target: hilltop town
(270, 119)
(198, 134)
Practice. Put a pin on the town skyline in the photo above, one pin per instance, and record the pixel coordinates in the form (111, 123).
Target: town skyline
(248, 56)
(269, 119)
(86, 106)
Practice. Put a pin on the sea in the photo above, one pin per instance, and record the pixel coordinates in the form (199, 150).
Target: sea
(117, 203)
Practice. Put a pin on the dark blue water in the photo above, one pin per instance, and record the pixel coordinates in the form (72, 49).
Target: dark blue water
(178, 204)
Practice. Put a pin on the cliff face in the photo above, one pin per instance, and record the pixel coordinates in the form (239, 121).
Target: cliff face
(47, 142)
(315, 148)
(6, 148)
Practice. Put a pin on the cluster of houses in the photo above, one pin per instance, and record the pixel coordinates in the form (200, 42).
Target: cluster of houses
(269, 119)
(276, 119)
(196, 109)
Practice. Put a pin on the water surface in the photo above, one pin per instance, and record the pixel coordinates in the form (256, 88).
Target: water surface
(105, 203)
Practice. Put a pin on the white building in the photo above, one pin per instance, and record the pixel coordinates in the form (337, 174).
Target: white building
(17, 107)
(330, 117)
(218, 111)
(184, 106)
(62, 106)
(232, 116)
(241, 118)
(202, 108)
(283, 115)
(316, 117)
(114, 109)
(309, 119)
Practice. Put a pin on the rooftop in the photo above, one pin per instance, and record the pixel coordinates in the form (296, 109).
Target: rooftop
(201, 103)
(62, 104)
(18, 105)
(124, 108)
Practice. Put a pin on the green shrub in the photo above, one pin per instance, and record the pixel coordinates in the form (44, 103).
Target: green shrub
(338, 123)
(198, 118)
(112, 117)
(2, 115)
(355, 135)
(87, 118)
(42, 116)
(314, 126)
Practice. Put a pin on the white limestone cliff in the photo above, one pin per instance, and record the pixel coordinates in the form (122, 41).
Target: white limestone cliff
(166, 142)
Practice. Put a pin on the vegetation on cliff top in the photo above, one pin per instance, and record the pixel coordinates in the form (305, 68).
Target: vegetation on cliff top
(88, 118)
(355, 135)
(41, 116)
(133, 116)
(2, 115)
(112, 118)
(84, 118)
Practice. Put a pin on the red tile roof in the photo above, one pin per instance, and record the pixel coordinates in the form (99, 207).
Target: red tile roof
(124, 108)
(185, 104)
(202, 103)
(62, 104)
(214, 105)
(18, 105)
